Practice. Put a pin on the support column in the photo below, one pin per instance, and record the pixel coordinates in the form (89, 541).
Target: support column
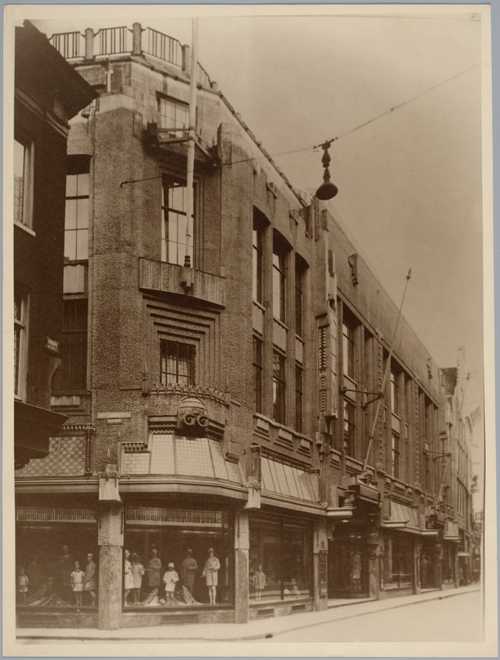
(136, 39)
(320, 565)
(417, 555)
(241, 568)
(374, 550)
(110, 539)
(438, 564)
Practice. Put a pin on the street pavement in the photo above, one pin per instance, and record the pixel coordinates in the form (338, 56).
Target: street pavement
(439, 615)
(448, 620)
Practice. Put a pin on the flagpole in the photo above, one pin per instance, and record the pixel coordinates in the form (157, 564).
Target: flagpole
(191, 143)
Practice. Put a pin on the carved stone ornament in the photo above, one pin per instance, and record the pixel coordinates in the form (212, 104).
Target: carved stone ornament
(192, 417)
(109, 490)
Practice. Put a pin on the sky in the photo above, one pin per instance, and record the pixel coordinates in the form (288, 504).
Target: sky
(410, 182)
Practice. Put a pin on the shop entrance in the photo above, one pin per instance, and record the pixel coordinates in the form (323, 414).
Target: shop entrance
(347, 567)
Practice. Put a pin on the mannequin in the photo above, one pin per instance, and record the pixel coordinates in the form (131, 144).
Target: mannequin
(211, 573)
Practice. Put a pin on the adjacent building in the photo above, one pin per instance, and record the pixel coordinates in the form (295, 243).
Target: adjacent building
(219, 407)
(48, 92)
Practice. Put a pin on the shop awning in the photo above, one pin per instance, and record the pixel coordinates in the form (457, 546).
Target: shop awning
(402, 517)
(451, 531)
(289, 482)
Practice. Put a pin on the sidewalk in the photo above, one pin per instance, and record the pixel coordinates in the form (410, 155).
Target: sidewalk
(254, 630)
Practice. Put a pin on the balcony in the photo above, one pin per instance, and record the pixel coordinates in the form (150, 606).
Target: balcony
(122, 40)
(162, 277)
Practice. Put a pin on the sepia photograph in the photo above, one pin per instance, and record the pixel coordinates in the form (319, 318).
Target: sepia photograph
(249, 386)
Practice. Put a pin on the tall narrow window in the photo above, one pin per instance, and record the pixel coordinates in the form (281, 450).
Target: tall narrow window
(76, 219)
(394, 389)
(173, 115)
(257, 370)
(395, 454)
(279, 387)
(349, 428)
(20, 343)
(257, 263)
(300, 273)
(177, 363)
(279, 279)
(177, 232)
(23, 182)
(348, 346)
(72, 374)
(299, 397)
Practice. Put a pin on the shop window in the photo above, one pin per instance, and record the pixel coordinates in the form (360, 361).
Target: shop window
(257, 370)
(177, 558)
(20, 343)
(76, 218)
(280, 252)
(177, 363)
(280, 560)
(57, 565)
(348, 564)
(299, 397)
(72, 375)
(23, 182)
(176, 230)
(398, 561)
(279, 387)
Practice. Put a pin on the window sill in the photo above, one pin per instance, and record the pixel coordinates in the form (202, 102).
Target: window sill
(281, 323)
(25, 228)
(260, 305)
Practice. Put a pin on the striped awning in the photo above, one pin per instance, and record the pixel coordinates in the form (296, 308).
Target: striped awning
(288, 481)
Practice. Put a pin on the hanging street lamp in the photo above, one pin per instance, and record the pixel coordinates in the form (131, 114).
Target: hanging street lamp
(327, 189)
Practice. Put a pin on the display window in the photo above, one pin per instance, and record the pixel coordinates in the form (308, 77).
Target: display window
(398, 561)
(280, 559)
(57, 566)
(348, 565)
(177, 558)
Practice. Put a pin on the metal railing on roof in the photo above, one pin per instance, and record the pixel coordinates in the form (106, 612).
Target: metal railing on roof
(162, 46)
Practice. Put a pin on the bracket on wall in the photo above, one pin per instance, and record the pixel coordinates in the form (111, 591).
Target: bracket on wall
(376, 395)
(352, 260)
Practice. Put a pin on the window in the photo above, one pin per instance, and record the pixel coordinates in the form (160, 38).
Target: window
(279, 386)
(177, 363)
(257, 263)
(279, 280)
(173, 114)
(76, 219)
(394, 385)
(257, 368)
(348, 346)
(398, 560)
(299, 396)
(300, 272)
(395, 454)
(23, 183)
(280, 559)
(177, 232)
(20, 343)
(72, 375)
(349, 428)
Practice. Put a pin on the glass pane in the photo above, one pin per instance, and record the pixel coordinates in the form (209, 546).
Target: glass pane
(82, 246)
(70, 245)
(83, 213)
(71, 185)
(83, 184)
(264, 560)
(296, 562)
(19, 151)
(70, 214)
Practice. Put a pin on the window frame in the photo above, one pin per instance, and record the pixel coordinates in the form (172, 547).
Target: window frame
(190, 357)
(168, 212)
(257, 263)
(176, 104)
(349, 428)
(280, 278)
(395, 454)
(27, 220)
(76, 229)
(299, 397)
(279, 387)
(21, 345)
(68, 381)
(348, 345)
(300, 274)
(258, 370)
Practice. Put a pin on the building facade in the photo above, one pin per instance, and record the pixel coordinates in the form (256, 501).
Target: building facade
(217, 451)
(48, 92)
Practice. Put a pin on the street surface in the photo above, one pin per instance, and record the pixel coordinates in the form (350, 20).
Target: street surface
(456, 619)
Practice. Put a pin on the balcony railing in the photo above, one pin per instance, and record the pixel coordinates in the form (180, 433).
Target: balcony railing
(122, 40)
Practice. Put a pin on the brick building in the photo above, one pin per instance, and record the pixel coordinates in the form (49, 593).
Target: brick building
(226, 406)
(48, 92)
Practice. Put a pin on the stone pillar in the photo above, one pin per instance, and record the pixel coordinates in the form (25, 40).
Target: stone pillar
(136, 39)
(110, 540)
(374, 551)
(89, 44)
(438, 564)
(241, 569)
(417, 554)
(186, 58)
(320, 565)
